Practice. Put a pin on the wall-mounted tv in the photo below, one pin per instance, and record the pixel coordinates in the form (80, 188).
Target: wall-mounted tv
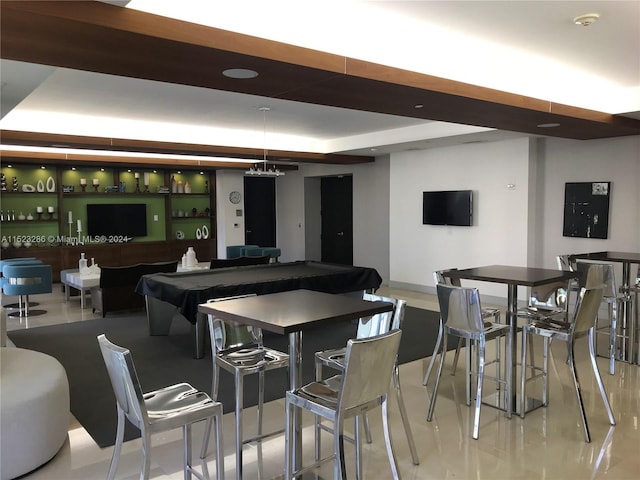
(451, 207)
(123, 219)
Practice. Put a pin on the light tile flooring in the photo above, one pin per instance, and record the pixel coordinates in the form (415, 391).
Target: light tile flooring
(547, 444)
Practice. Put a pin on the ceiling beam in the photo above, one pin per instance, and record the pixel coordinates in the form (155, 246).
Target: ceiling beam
(104, 38)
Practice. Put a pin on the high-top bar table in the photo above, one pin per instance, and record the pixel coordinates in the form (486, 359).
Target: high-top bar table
(513, 277)
(290, 313)
(629, 320)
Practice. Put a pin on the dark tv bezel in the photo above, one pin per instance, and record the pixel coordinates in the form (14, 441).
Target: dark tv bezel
(113, 219)
(448, 218)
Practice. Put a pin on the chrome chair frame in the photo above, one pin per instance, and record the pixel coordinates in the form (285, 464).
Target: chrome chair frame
(368, 368)
(239, 350)
(583, 324)
(439, 277)
(168, 408)
(461, 314)
(611, 297)
(334, 358)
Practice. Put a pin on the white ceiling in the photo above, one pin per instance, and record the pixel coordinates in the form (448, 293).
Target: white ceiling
(526, 47)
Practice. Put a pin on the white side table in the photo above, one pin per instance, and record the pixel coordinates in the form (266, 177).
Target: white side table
(82, 283)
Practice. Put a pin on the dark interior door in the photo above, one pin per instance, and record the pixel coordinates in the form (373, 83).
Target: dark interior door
(336, 204)
(260, 211)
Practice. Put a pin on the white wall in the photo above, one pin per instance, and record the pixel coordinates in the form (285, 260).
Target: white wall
(501, 218)
(521, 226)
(616, 160)
(230, 228)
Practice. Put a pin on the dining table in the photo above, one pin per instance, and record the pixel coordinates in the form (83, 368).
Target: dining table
(632, 353)
(513, 277)
(291, 313)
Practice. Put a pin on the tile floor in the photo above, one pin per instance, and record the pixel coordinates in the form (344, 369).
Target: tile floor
(547, 444)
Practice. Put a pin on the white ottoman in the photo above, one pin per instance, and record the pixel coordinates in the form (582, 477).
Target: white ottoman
(34, 410)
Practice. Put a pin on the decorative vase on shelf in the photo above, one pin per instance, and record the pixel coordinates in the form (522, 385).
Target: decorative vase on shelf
(174, 185)
(180, 187)
(187, 187)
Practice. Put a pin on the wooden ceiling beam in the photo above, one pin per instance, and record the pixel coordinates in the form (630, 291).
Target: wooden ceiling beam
(104, 38)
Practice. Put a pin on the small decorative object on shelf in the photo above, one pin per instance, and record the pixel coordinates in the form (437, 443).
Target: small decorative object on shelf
(83, 184)
(50, 211)
(194, 211)
(14, 182)
(136, 175)
(96, 184)
(187, 187)
(28, 188)
(146, 176)
(29, 216)
(123, 186)
(39, 212)
(65, 188)
(174, 185)
(3, 182)
(40, 185)
(206, 186)
(180, 187)
(21, 216)
(51, 185)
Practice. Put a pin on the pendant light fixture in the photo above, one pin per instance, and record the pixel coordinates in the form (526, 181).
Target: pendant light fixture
(256, 169)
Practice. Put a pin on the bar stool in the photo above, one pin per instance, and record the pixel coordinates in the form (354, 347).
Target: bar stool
(334, 358)
(364, 385)
(239, 350)
(461, 314)
(439, 277)
(583, 324)
(591, 277)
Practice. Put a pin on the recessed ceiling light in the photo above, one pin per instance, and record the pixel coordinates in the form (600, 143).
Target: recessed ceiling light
(240, 73)
(419, 105)
(548, 125)
(586, 20)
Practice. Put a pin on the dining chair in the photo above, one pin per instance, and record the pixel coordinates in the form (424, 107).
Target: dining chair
(24, 279)
(582, 324)
(363, 385)
(613, 299)
(567, 263)
(168, 408)
(461, 314)
(334, 358)
(239, 350)
(439, 277)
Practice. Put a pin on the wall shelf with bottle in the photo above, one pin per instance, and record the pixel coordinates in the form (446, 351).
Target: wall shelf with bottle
(59, 214)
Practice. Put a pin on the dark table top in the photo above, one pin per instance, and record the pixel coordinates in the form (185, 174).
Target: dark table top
(186, 290)
(526, 276)
(294, 310)
(631, 257)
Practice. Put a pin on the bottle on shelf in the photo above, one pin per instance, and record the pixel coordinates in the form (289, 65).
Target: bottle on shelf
(174, 185)
(82, 264)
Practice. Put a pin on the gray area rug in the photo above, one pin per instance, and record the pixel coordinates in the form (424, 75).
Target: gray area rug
(165, 360)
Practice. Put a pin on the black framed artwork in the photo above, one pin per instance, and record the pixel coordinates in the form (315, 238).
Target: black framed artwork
(586, 209)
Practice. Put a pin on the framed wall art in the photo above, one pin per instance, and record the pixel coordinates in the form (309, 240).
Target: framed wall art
(586, 209)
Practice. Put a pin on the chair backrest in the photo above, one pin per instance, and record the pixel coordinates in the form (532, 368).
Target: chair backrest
(587, 310)
(239, 261)
(460, 308)
(593, 274)
(124, 381)
(230, 336)
(23, 279)
(369, 363)
(565, 263)
(552, 295)
(381, 322)
(439, 277)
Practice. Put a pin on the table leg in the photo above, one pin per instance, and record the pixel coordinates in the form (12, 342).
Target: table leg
(295, 380)
(81, 298)
(512, 308)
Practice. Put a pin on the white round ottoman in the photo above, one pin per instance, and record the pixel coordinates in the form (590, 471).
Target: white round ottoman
(34, 410)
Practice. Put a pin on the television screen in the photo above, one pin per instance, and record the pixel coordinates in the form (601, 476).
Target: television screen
(453, 207)
(125, 219)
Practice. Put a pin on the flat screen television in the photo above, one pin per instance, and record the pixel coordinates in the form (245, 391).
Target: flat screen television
(451, 207)
(123, 219)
